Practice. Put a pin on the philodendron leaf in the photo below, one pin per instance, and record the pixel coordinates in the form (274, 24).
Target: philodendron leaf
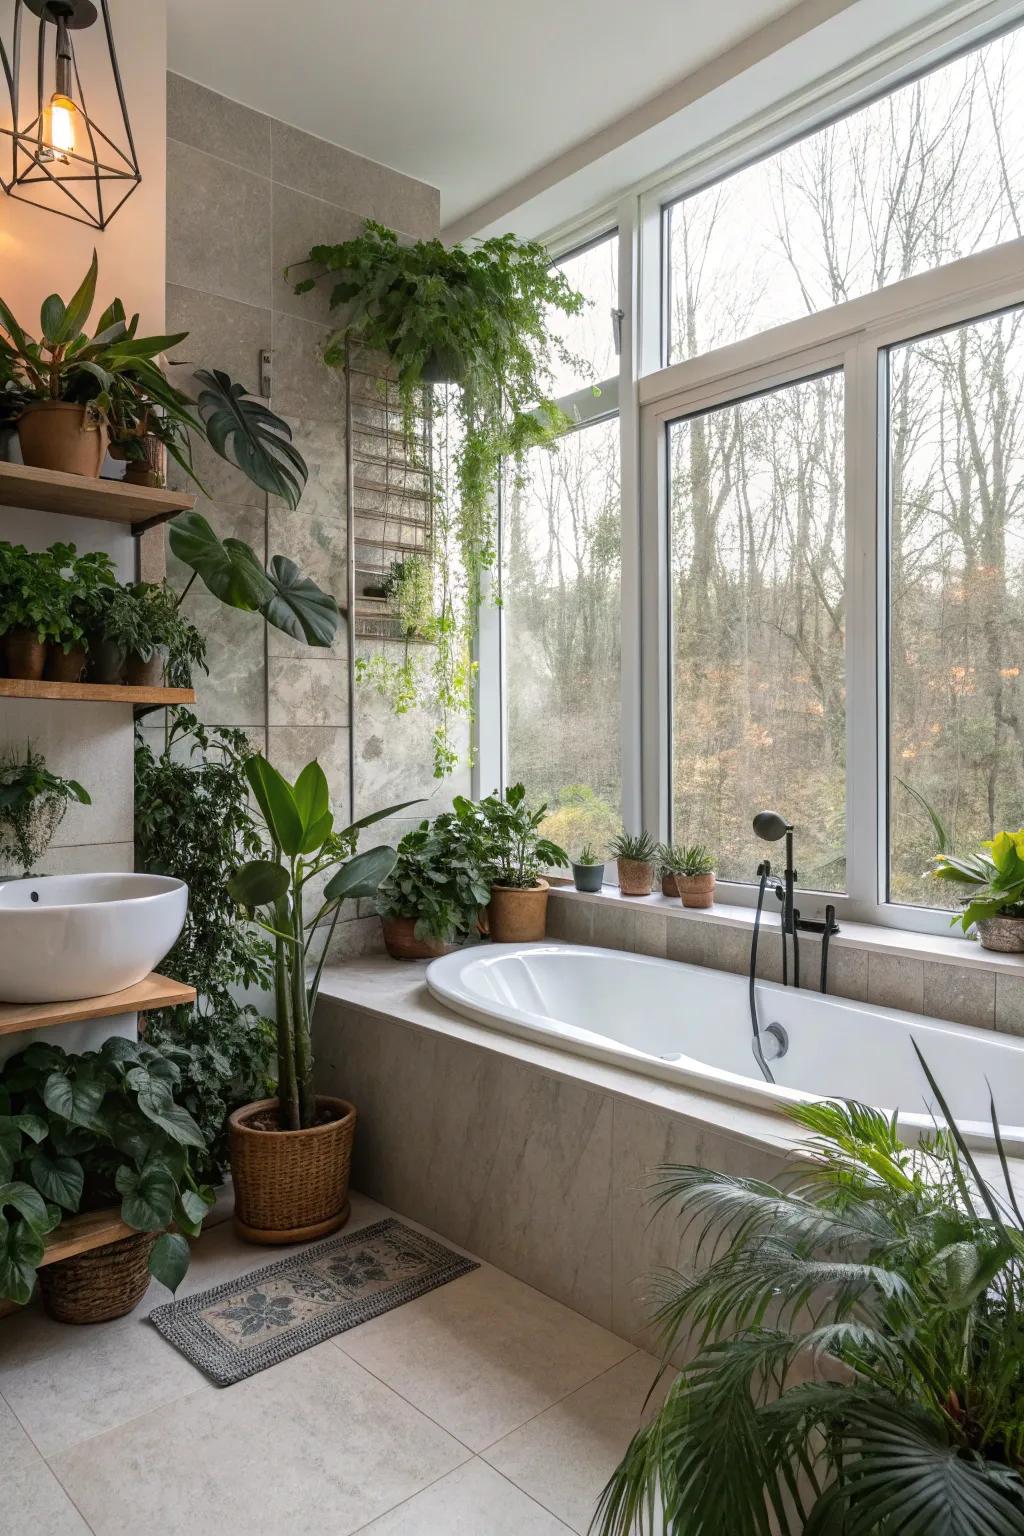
(147, 1198)
(170, 1117)
(258, 884)
(21, 1250)
(59, 1179)
(227, 566)
(245, 433)
(298, 607)
(75, 1099)
(30, 1206)
(361, 876)
(169, 1260)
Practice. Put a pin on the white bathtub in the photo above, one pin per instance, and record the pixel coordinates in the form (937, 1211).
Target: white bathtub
(690, 1025)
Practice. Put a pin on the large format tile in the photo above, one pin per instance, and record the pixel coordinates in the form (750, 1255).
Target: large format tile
(966, 996)
(311, 691)
(373, 191)
(28, 1486)
(316, 1441)
(484, 1354)
(304, 387)
(474, 1500)
(218, 229)
(233, 692)
(300, 222)
(564, 1456)
(214, 123)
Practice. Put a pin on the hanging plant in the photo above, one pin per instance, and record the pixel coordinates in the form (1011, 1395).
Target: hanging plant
(469, 324)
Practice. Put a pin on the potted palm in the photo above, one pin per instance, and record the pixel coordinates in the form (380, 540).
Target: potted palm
(635, 855)
(432, 900)
(993, 884)
(587, 870)
(290, 1155)
(517, 851)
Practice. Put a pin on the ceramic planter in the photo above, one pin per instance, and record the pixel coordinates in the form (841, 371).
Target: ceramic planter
(146, 674)
(24, 654)
(636, 877)
(290, 1186)
(107, 661)
(1005, 934)
(65, 666)
(697, 891)
(401, 942)
(56, 435)
(151, 469)
(588, 877)
(518, 916)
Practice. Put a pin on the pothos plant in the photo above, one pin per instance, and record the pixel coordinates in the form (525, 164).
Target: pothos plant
(471, 325)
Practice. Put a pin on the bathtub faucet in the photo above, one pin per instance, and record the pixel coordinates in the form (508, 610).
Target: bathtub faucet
(772, 827)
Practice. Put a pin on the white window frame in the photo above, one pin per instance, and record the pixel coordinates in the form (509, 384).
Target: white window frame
(852, 337)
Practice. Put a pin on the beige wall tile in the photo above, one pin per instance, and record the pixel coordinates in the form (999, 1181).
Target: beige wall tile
(218, 227)
(1010, 1004)
(338, 176)
(213, 123)
(962, 995)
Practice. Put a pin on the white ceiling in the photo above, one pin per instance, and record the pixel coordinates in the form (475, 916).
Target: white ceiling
(469, 95)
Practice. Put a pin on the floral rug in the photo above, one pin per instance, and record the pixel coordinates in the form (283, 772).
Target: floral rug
(239, 1328)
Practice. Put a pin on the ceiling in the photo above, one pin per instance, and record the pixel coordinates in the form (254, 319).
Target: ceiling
(469, 95)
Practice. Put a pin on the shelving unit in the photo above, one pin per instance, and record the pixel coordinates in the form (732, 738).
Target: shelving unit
(92, 693)
(110, 501)
(153, 991)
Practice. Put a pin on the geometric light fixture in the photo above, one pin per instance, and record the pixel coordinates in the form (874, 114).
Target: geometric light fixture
(53, 152)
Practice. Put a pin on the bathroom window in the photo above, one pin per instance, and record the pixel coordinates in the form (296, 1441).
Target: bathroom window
(956, 583)
(757, 580)
(911, 182)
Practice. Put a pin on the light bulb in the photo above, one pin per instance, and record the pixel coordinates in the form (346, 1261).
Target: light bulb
(60, 128)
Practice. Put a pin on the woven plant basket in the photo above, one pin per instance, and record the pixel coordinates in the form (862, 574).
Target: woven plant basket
(636, 877)
(102, 1284)
(290, 1186)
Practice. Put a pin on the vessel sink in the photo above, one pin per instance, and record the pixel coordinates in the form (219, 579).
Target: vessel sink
(65, 937)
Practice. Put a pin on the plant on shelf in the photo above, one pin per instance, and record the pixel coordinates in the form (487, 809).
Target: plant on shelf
(470, 325)
(687, 870)
(33, 802)
(78, 1133)
(433, 898)
(194, 821)
(636, 855)
(517, 851)
(150, 642)
(993, 882)
(47, 603)
(285, 1178)
(587, 870)
(855, 1351)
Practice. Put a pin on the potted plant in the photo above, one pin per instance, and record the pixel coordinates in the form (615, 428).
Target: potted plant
(588, 870)
(993, 880)
(635, 856)
(78, 1133)
(33, 802)
(290, 1155)
(432, 900)
(33, 609)
(517, 851)
(668, 855)
(471, 325)
(695, 876)
(147, 640)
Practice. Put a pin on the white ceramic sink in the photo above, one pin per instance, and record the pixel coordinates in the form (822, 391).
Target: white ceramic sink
(74, 936)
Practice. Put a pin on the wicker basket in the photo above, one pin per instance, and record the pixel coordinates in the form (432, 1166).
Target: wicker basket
(290, 1186)
(102, 1284)
(636, 877)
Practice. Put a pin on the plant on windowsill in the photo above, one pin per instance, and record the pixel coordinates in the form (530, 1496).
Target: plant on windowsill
(636, 856)
(290, 1155)
(433, 899)
(33, 803)
(470, 324)
(691, 869)
(517, 851)
(588, 870)
(993, 881)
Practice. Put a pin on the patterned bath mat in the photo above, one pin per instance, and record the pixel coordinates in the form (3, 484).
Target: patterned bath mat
(239, 1328)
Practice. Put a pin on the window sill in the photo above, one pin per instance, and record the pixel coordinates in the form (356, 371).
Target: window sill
(866, 937)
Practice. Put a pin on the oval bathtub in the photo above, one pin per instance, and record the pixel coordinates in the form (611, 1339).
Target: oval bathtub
(691, 1025)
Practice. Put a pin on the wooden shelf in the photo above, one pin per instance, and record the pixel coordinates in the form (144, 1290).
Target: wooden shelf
(77, 1234)
(111, 501)
(92, 693)
(154, 991)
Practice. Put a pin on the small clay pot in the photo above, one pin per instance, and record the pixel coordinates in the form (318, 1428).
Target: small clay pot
(668, 884)
(1005, 934)
(146, 674)
(24, 654)
(107, 661)
(65, 666)
(57, 435)
(401, 942)
(636, 877)
(151, 470)
(697, 891)
(518, 916)
(588, 877)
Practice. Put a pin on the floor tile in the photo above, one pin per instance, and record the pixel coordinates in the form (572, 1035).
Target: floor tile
(313, 1443)
(564, 1457)
(483, 1354)
(28, 1486)
(473, 1500)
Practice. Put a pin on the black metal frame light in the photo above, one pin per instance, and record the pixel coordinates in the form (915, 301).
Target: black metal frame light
(60, 151)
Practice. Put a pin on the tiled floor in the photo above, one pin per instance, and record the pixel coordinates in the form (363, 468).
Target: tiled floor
(481, 1409)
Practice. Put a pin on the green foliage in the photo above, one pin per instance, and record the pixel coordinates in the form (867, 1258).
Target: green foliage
(994, 878)
(475, 319)
(517, 849)
(587, 857)
(245, 433)
(856, 1338)
(145, 618)
(76, 1132)
(32, 805)
(410, 589)
(639, 847)
(441, 877)
(684, 859)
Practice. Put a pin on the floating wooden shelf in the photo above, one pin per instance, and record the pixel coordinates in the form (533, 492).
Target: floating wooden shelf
(111, 501)
(154, 991)
(92, 693)
(77, 1234)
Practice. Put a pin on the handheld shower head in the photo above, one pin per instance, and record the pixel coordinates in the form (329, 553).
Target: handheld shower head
(770, 826)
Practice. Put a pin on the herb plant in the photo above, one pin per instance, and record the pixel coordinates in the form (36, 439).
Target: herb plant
(441, 876)
(33, 802)
(994, 878)
(639, 848)
(79, 1132)
(517, 849)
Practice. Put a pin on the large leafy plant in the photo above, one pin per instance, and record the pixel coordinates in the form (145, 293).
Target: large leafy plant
(441, 876)
(856, 1337)
(80, 1132)
(472, 324)
(305, 848)
(517, 849)
(993, 878)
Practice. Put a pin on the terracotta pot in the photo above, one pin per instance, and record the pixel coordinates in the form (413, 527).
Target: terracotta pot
(56, 435)
(290, 1186)
(104, 1283)
(697, 890)
(636, 877)
(107, 661)
(668, 884)
(1005, 934)
(151, 469)
(518, 916)
(65, 666)
(24, 654)
(401, 942)
(146, 674)
(588, 877)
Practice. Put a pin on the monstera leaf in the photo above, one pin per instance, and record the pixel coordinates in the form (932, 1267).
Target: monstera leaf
(286, 599)
(243, 431)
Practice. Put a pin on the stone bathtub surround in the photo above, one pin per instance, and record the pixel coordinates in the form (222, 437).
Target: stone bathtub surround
(943, 978)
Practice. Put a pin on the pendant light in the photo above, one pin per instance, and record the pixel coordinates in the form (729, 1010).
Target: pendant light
(59, 157)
